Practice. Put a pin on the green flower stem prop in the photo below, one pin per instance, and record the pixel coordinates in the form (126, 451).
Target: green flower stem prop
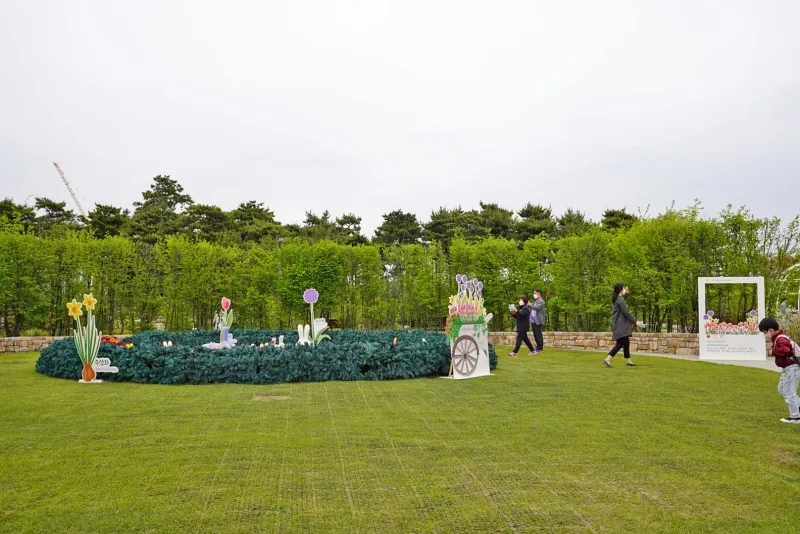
(310, 296)
(87, 338)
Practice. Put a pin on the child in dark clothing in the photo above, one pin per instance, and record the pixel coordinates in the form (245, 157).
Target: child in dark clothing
(783, 348)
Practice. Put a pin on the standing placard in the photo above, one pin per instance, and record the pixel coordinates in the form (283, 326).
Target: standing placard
(731, 341)
(468, 331)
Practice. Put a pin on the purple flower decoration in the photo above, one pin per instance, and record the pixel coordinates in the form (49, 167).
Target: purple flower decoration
(705, 317)
(480, 286)
(753, 313)
(460, 279)
(711, 313)
(469, 285)
(310, 296)
(475, 282)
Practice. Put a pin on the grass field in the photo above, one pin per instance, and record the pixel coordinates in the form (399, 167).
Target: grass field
(553, 443)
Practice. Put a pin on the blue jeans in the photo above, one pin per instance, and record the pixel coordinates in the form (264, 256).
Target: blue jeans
(787, 387)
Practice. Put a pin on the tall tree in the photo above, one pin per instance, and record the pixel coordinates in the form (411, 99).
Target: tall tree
(536, 220)
(445, 225)
(579, 278)
(348, 227)
(398, 228)
(53, 214)
(255, 223)
(617, 220)
(499, 222)
(318, 227)
(204, 222)
(16, 216)
(157, 215)
(573, 223)
(106, 220)
(25, 261)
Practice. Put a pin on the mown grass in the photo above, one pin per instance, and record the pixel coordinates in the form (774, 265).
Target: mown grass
(555, 442)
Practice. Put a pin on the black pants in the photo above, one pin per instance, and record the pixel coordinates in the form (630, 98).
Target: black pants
(623, 343)
(522, 337)
(537, 336)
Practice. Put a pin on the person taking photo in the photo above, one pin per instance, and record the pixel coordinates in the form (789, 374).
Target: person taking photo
(523, 316)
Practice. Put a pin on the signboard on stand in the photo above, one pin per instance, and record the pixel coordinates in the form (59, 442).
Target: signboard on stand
(720, 340)
(103, 365)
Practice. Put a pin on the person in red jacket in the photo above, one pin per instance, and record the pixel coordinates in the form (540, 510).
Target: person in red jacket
(783, 350)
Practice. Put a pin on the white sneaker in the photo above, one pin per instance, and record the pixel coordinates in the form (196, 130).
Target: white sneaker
(795, 420)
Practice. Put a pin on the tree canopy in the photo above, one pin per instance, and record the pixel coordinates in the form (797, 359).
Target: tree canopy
(170, 260)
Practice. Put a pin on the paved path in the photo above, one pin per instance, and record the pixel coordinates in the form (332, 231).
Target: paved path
(768, 364)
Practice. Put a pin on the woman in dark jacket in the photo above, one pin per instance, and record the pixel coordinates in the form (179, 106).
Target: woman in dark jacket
(622, 323)
(523, 315)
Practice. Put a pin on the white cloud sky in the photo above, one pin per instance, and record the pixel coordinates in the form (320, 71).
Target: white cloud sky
(368, 106)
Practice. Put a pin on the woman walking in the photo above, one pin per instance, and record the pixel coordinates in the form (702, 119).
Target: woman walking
(622, 323)
(523, 315)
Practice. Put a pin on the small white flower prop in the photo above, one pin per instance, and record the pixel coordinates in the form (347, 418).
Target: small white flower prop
(304, 335)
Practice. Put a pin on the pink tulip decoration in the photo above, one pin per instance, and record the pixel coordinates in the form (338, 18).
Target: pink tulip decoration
(227, 313)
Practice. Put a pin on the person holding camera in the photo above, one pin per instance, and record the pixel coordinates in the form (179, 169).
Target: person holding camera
(523, 316)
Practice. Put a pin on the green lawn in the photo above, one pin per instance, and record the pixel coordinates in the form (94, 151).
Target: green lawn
(553, 443)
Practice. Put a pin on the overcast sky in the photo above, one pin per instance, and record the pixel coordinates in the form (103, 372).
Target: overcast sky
(367, 106)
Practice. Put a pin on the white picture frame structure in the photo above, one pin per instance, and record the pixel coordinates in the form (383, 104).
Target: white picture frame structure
(720, 346)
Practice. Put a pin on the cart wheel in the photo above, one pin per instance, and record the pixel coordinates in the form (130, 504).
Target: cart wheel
(465, 355)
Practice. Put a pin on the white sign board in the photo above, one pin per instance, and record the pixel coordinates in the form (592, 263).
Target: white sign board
(731, 341)
(470, 352)
(320, 325)
(103, 365)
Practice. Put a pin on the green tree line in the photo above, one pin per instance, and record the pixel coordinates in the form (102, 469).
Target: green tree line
(166, 210)
(177, 278)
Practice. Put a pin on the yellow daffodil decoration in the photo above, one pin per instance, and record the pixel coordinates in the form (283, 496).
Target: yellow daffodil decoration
(74, 308)
(87, 338)
(89, 301)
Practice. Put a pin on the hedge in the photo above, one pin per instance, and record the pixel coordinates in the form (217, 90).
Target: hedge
(349, 355)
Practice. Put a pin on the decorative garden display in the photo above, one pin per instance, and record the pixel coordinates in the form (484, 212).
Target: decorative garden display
(268, 357)
(224, 323)
(87, 341)
(467, 330)
(312, 334)
(352, 355)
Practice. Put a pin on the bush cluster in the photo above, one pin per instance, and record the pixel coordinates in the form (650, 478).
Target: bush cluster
(350, 355)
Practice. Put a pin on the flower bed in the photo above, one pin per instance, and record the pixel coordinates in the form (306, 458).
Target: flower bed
(714, 327)
(350, 355)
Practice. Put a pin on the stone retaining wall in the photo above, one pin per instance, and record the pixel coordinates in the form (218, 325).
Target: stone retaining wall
(26, 344)
(30, 344)
(681, 344)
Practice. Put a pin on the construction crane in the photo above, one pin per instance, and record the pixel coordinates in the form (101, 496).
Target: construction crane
(69, 188)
